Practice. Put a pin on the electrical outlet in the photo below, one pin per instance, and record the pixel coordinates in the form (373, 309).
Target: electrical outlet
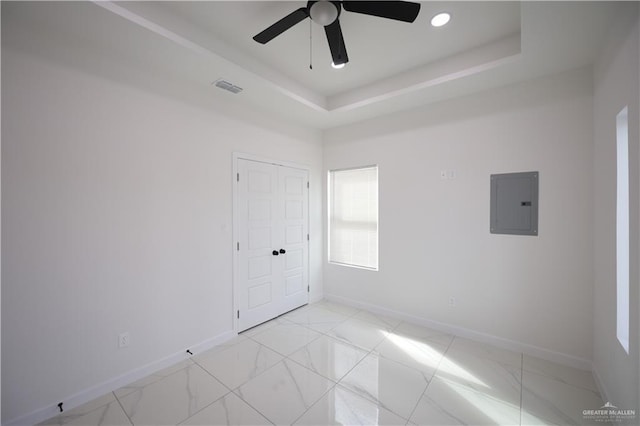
(448, 174)
(123, 340)
(452, 301)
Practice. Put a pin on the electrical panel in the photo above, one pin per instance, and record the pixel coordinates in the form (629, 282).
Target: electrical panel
(514, 203)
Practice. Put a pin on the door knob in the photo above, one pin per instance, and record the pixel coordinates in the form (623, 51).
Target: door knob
(275, 252)
(282, 251)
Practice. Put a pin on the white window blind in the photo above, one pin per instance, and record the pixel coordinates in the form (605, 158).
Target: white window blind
(353, 217)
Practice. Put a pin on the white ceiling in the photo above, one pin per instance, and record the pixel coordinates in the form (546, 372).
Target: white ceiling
(378, 48)
(393, 65)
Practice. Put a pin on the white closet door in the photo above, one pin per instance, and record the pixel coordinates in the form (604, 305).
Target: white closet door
(293, 191)
(272, 246)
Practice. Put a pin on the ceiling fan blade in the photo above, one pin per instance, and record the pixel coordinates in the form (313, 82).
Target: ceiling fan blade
(282, 25)
(336, 43)
(405, 11)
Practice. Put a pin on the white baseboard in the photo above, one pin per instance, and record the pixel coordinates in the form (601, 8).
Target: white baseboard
(315, 299)
(512, 345)
(89, 394)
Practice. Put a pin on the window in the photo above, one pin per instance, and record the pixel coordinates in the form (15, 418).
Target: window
(622, 229)
(353, 217)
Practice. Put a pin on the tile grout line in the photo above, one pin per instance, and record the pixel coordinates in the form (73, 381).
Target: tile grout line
(213, 402)
(247, 381)
(296, 350)
(122, 407)
(352, 345)
(426, 341)
(314, 404)
(285, 357)
(248, 403)
(231, 391)
(453, 337)
(363, 358)
(203, 408)
(254, 408)
(347, 318)
(153, 383)
(560, 380)
(333, 384)
(288, 357)
(357, 311)
(117, 398)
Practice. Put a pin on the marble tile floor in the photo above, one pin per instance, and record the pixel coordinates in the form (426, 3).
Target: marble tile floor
(330, 364)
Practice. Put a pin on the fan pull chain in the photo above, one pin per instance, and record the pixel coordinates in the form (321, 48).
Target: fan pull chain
(310, 44)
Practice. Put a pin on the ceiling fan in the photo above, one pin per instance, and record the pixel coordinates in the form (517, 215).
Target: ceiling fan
(327, 13)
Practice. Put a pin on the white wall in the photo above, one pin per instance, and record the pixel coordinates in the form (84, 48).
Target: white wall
(616, 85)
(117, 214)
(434, 234)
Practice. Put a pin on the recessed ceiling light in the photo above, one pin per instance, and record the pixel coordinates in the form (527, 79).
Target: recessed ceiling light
(440, 19)
(339, 66)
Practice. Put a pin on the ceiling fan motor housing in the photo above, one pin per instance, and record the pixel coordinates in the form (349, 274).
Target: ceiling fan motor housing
(327, 13)
(324, 12)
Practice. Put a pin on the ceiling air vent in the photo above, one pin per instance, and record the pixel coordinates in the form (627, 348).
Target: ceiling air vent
(223, 84)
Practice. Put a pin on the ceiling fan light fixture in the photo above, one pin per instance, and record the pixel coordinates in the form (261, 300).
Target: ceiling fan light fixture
(323, 12)
(441, 19)
(338, 66)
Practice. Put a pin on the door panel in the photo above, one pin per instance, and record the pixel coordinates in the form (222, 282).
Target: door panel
(259, 266)
(259, 210)
(258, 269)
(259, 295)
(260, 238)
(260, 181)
(293, 187)
(294, 285)
(293, 260)
(294, 234)
(293, 210)
(272, 215)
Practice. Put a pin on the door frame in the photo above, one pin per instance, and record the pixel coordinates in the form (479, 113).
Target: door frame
(235, 275)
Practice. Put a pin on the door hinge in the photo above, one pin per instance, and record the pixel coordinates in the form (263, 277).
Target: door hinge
(307, 237)
(238, 246)
(307, 184)
(238, 313)
(307, 289)
(237, 177)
